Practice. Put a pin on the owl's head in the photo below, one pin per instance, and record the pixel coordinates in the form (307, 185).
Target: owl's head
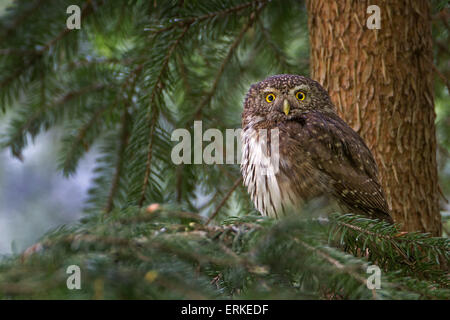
(286, 96)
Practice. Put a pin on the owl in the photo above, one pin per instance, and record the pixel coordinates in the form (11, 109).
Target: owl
(295, 148)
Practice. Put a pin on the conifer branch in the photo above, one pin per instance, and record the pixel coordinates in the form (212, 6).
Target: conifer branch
(123, 138)
(21, 18)
(152, 107)
(224, 200)
(405, 257)
(149, 158)
(178, 181)
(188, 21)
(338, 265)
(225, 61)
(183, 73)
(79, 138)
(43, 109)
(254, 252)
(86, 63)
(279, 54)
(87, 9)
(391, 234)
(120, 159)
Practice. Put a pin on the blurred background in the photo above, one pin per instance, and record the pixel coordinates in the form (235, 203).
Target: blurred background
(34, 196)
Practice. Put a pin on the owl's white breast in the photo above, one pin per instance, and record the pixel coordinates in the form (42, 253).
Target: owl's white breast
(266, 184)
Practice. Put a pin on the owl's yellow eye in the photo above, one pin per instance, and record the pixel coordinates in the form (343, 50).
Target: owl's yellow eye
(300, 96)
(270, 97)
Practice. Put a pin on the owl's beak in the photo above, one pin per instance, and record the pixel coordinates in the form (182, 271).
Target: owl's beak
(286, 107)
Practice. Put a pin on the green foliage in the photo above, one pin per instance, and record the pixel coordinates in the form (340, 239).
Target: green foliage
(134, 72)
(441, 38)
(168, 254)
(130, 76)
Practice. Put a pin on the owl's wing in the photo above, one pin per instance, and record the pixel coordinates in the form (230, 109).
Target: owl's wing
(340, 153)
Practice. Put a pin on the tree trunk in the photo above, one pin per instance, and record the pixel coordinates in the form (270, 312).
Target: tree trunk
(381, 83)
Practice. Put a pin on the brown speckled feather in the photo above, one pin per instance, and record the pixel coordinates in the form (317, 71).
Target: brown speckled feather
(319, 154)
(340, 153)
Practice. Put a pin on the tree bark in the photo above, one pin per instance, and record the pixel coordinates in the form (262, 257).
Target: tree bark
(381, 83)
